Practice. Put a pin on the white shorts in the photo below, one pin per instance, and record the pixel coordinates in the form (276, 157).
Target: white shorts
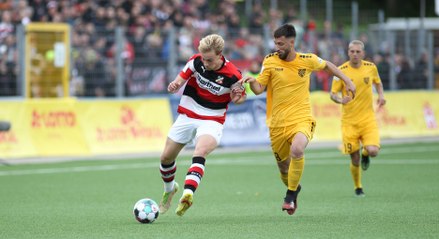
(186, 129)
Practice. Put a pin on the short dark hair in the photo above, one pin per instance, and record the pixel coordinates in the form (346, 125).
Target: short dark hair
(286, 30)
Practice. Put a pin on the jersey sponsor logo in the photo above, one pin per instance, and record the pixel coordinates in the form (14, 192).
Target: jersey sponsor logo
(366, 80)
(301, 72)
(208, 85)
(278, 69)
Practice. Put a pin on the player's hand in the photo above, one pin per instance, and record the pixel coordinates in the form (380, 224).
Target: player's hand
(237, 87)
(381, 102)
(174, 86)
(351, 88)
(236, 97)
(346, 99)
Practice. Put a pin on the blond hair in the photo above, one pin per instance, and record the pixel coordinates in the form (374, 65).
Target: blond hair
(211, 42)
(357, 42)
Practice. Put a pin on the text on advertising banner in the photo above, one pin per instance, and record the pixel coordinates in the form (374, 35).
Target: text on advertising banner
(132, 126)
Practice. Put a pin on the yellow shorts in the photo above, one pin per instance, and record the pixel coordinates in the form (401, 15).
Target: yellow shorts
(282, 137)
(367, 134)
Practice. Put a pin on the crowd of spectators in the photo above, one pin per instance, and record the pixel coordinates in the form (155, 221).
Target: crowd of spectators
(147, 25)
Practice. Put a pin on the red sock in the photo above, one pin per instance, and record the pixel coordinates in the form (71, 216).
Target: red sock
(168, 175)
(195, 173)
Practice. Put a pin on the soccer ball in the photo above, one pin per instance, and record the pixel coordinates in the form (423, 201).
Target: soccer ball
(146, 210)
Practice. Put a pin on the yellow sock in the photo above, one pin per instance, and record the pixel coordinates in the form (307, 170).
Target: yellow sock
(284, 178)
(295, 173)
(364, 152)
(356, 175)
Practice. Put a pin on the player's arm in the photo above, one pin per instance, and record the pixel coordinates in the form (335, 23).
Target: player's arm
(256, 87)
(350, 87)
(335, 93)
(381, 100)
(176, 84)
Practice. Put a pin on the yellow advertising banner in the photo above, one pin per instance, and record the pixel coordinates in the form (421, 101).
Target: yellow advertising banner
(41, 128)
(17, 142)
(134, 126)
(406, 114)
(409, 114)
(67, 127)
(54, 127)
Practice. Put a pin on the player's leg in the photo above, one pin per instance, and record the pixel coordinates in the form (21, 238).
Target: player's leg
(367, 152)
(205, 145)
(356, 173)
(372, 150)
(281, 150)
(295, 171)
(207, 139)
(180, 133)
(301, 135)
(168, 168)
(351, 146)
(297, 162)
(371, 144)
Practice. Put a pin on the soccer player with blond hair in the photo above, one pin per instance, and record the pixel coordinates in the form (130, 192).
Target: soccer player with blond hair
(358, 122)
(285, 75)
(210, 83)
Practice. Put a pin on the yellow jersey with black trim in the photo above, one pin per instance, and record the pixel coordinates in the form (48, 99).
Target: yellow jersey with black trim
(360, 109)
(287, 85)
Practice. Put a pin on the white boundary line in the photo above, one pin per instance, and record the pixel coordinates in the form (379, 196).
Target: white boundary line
(315, 158)
(221, 150)
(256, 161)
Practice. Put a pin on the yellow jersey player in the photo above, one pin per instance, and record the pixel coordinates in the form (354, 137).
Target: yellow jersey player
(285, 75)
(358, 124)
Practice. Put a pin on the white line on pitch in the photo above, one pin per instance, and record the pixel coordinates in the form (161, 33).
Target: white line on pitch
(213, 161)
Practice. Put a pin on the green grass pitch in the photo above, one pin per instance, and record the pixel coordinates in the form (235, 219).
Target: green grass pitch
(240, 196)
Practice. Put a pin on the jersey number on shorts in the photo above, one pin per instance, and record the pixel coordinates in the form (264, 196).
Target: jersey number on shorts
(348, 147)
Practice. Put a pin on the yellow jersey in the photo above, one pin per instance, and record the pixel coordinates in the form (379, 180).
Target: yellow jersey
(287, 85)
(360, 109)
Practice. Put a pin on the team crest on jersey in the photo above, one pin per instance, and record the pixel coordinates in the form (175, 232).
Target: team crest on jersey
(219, 80)
(302, 72)
(366, 80)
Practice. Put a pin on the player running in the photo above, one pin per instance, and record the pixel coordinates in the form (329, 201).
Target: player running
(212, 82)
(286, 76)
(358, 122)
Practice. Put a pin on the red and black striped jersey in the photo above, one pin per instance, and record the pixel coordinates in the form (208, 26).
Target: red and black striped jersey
(207, 93)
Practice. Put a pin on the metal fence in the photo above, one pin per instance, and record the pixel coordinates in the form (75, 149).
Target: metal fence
(136, 62)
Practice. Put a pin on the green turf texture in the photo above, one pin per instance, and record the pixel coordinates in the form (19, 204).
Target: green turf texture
(240, 196)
